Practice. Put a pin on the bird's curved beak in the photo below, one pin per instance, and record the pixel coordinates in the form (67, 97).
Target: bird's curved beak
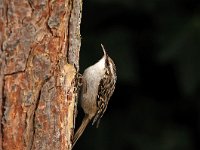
(104, 51)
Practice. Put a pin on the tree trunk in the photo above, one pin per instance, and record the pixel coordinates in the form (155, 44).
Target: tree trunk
(39, 61)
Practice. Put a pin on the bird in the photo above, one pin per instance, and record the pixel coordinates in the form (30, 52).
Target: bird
(98, 85)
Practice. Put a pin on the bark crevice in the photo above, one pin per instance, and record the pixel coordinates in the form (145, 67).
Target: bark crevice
(35, 110)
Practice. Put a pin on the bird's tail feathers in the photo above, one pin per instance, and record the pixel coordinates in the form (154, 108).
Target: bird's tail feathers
(81, 129)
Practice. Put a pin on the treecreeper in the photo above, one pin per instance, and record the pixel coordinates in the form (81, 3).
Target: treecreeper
(98, 85)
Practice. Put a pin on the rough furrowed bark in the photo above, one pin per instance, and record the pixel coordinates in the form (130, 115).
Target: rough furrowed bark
(39, 55)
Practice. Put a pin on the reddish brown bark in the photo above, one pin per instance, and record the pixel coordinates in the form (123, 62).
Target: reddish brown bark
(39, 55)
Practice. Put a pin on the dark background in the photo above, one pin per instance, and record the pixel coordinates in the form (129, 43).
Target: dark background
(156, 48)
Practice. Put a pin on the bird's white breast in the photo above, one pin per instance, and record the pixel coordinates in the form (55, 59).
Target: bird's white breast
(92, 75)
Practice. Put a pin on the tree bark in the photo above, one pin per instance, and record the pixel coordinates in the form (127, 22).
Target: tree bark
(39, 61)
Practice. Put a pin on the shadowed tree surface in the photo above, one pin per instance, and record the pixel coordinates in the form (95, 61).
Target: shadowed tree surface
(39, 61)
